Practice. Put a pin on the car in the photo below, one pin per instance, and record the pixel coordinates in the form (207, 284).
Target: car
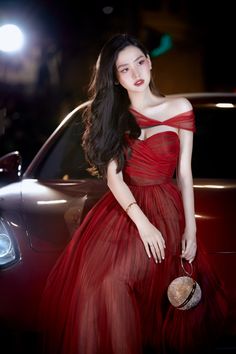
(41, 209)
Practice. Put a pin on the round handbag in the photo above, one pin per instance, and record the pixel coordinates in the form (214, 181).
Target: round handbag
(184, 292)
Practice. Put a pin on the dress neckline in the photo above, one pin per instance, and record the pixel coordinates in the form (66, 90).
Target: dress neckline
(137, 113)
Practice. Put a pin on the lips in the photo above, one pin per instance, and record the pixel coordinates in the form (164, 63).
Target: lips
(139, 82)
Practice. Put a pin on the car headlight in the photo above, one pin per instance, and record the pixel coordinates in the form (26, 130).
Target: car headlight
(8, 252)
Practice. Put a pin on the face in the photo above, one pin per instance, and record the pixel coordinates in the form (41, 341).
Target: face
(133, 69)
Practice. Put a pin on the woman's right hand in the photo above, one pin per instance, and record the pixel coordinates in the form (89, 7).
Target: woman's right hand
(153, 241)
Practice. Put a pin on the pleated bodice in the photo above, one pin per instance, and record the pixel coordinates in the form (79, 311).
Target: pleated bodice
(153, 160)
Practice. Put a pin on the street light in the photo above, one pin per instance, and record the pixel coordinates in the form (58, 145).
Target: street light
(11, 38)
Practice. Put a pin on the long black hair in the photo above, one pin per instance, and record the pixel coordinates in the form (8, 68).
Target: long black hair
(107, 117)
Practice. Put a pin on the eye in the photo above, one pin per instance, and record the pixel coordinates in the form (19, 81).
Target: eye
(141, 62)
(125, 70)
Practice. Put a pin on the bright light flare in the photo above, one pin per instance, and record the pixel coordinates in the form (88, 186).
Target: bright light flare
(213, 186)
(11, 38)
(225, 105)
(51, 202)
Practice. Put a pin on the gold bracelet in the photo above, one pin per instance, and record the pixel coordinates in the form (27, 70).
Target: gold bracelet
(129, 206)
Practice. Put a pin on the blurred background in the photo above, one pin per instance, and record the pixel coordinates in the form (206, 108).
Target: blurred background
(190, 42)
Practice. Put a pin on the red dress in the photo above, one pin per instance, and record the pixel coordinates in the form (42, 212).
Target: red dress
(104, 295)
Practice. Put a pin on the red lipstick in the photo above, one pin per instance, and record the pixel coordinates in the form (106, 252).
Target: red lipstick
(139, 82)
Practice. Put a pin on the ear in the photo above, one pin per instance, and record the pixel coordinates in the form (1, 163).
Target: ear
(149, 61)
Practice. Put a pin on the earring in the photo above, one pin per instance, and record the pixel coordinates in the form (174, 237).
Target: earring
(116, 83)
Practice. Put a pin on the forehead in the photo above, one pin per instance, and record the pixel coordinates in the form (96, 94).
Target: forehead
(128, 54)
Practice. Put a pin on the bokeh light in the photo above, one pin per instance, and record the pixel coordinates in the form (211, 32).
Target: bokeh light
(11, 38)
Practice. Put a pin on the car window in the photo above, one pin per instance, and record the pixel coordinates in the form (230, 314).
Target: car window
(214, 143)
(66, 160)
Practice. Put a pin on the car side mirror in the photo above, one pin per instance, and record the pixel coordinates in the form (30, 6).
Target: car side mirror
(10, 168)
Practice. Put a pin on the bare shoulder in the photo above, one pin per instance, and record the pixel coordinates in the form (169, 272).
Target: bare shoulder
(179, 104)
(166, 107)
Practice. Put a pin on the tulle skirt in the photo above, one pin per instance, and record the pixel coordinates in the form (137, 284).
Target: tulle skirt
(105, 296)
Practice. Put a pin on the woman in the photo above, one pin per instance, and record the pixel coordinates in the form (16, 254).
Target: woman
(107, 292)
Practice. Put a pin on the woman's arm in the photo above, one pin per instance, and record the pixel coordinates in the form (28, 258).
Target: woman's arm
(185, 182)
(152, 239)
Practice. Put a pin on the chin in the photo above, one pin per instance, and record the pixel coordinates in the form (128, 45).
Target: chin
(141, 88)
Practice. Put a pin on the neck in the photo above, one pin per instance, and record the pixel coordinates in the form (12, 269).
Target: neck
(141, 100)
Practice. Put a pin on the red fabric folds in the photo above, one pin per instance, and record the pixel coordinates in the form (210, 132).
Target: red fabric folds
(104, 295)
(183, 120)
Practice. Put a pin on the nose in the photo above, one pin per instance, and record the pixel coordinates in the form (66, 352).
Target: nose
(135, 73)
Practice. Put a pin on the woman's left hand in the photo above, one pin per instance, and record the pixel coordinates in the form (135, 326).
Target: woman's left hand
(189, 246)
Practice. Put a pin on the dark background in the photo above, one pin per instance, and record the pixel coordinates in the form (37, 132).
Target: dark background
(50, 76)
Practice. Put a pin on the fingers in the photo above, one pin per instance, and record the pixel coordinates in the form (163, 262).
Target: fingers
(147, 249)
(153, 242)
(183, 246)
(189, 251)
(162, 248)
(155, 248)
(155, 252)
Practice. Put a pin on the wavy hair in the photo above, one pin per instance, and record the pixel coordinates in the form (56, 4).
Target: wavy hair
(107, 117)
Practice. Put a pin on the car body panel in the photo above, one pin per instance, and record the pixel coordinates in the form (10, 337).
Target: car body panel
(215, 210)
(53, 210)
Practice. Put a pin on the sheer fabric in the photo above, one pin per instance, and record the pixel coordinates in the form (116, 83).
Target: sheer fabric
(104, 295)
(183, 120)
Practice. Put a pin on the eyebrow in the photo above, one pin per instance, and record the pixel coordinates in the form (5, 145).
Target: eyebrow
(121, 65)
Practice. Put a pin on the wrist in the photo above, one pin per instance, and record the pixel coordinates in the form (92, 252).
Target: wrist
(129, 206)
(141, 222)
(190, 228)
(190, 233)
